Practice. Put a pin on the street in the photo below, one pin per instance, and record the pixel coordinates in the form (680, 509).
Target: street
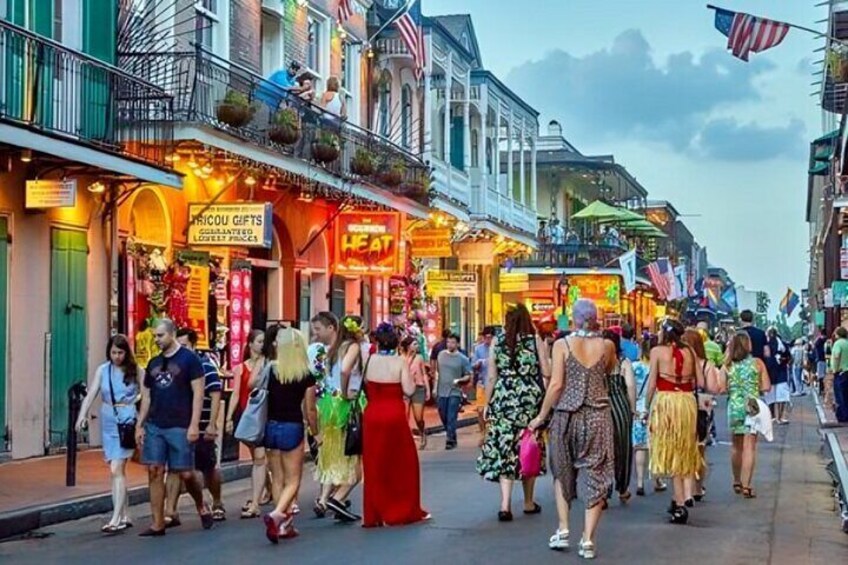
(791, 521)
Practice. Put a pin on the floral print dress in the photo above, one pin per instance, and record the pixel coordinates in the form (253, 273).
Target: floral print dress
(743, 382)
(516, 399)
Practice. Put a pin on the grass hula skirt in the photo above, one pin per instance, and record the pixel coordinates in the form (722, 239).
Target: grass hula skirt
(673, 435)
(334, 467)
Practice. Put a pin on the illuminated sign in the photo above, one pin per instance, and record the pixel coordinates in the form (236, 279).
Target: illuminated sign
(451, 284)
(247, 224)
(367, 243)
(514, 282)
(431, 243)
(603, 290)
(51, 193)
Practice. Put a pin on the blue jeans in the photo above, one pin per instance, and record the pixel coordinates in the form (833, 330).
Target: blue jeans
(840, 395)
(449, 413)
(797, 379)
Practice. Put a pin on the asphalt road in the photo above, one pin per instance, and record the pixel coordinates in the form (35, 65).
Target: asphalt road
(791, 521)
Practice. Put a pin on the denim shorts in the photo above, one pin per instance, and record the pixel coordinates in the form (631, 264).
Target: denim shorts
(283, 436)
(167, 446)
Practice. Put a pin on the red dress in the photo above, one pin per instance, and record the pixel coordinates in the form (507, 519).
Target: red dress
(389, 459)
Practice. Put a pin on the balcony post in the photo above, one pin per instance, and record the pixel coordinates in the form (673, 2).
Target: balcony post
(521, 183)
(446, 133)
(482, 161)
(533, 179)
(496, 150)
(427, 139)
(466, 117)
(509, 165)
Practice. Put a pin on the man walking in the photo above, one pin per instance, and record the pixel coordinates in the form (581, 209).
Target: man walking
(453, 371)
(481, 372)
(821, 360)
(206, 448)
(839, 366)
(629, 347)
(759, 347)
(169, 423)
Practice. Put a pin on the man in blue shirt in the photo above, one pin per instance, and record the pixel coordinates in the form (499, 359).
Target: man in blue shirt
(271, 91)
(629, 347)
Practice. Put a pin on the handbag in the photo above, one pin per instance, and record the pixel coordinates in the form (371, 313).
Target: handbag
(353, 430)
(702, 425)
(251, 426)
(126, 430)
(529, 454)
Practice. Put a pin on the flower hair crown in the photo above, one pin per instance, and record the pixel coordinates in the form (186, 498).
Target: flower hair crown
(351, 325)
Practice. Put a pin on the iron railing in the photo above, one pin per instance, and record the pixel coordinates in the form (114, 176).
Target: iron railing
(578, 255)
(201, 84)
(54, 89)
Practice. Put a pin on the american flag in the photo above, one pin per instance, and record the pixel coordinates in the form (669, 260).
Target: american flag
(746, 33)
(413, 37)
(658, 271)
(345, 10)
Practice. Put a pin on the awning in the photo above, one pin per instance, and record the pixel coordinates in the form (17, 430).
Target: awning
(820, 169)
(828, 137)
(599, 210)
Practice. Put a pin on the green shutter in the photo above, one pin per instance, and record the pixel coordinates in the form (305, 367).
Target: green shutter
(457, 152)
(98, 40)
(68, 355)
(4, 301)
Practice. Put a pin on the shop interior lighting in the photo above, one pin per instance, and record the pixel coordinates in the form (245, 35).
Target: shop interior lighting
(192, 163)
(207, 169)
(26, 155)
(250, 180)
(97, 188)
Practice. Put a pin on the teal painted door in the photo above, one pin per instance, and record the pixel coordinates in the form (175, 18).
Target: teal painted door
(98, 40)
(68, 274)
(4, 301)
(30, 66)
(457, 152)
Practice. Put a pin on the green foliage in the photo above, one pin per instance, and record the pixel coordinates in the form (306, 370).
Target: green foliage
(236, 98)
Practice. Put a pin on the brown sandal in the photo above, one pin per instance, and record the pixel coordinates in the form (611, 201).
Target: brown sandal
(748, 492)
(737, 488)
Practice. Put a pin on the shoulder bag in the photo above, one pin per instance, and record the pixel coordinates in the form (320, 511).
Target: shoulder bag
(353, 430)
(126, 430)
(251, 426)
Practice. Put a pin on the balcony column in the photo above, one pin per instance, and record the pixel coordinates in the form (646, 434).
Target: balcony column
(482, 162)
(522, 182)
(509, 165)
(533, 179)
(426, 150)
(446, 132)
(466, 135)
(496, 150)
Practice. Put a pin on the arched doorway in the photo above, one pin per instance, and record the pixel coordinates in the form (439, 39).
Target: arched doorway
(273, 284)
(314, 278)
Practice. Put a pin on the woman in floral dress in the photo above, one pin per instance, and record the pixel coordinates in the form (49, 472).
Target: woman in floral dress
(514, 393)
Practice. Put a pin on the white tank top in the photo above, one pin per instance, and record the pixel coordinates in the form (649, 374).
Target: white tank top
(334, 105)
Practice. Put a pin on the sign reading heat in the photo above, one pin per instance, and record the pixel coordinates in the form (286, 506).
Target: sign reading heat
(367, 243)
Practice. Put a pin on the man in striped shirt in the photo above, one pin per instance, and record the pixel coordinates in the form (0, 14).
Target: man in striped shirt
(206, 448)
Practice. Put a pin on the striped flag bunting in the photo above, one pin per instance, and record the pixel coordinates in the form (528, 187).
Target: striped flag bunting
(345, 10)
(658, 272)
(413, 37)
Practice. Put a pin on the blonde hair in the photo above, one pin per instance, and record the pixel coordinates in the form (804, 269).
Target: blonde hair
(292, 363)
(333, 84)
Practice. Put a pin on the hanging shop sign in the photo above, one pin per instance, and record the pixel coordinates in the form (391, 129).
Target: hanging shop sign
(367, 243)
(843, 264)
(604, 290)
(197, 295)
(514, 282)
(42, 194)
(432, 243)
(248, 224)
(541, 307)
(240, 310)
(476, 253)
(451, 284)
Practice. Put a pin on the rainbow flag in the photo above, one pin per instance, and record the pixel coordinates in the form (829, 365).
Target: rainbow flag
(789, 302)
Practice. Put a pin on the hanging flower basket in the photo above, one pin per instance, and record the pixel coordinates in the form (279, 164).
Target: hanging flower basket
(392, 176)
(362, 163)
(235, 110)
(325, 148)
(285, 127)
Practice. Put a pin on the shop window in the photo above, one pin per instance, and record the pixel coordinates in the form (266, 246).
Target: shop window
(350, 80)
(211, 30)
(385, 103)
(475, 148)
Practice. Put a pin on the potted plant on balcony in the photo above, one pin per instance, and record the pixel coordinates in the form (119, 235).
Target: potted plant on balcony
(363, 163)
(325, 148)
(285, 127)
(416, 188)
(837, 63)
(235, 109)
(392, 174)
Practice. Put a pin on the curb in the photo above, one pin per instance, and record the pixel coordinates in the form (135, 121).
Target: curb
(838, 467)
(18, 522)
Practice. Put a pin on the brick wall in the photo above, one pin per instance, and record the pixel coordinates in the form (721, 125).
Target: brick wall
(245, 33)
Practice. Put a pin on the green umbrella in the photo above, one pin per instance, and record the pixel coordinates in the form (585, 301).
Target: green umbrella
(599, 210)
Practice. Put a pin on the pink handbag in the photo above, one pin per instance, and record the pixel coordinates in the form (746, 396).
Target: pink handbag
(529, 454)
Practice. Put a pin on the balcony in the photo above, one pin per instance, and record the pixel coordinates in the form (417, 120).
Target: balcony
(578, 256)
(70, 96)
(209, 90)
(488, 203)
(452, 183)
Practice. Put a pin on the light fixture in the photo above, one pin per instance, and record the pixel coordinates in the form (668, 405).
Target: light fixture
(97, 188)
(305, 195)
(26, 155)
(250, 180)
(207, 169)
(192, 163)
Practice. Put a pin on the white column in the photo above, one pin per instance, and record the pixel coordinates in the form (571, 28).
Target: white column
(534, 205)
(427, 122)
(509, 165)
(496, 150)
(482, 137)
(522, 182)
(447, 140)
(466, 117)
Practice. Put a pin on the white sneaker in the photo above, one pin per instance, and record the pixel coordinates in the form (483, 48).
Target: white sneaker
(587, 550)
(559, 540)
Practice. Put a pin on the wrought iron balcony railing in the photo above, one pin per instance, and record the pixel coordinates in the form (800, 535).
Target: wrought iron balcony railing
(51, 88)
(233, 99)
(579, 256)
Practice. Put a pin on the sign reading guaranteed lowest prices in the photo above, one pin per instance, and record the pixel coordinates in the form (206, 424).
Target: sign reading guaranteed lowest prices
(239, 225)
(451, 284)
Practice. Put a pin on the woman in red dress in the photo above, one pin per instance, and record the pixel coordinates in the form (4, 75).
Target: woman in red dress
(389, 458)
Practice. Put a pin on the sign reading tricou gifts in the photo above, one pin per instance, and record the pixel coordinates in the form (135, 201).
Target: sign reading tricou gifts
(450, 284)
(367, 243)
(247, 224)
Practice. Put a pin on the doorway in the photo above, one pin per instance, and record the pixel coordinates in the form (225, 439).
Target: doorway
(4, 312)
(68, 348)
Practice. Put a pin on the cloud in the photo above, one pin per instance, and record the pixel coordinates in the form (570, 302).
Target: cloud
(621, 91)
(727, 139)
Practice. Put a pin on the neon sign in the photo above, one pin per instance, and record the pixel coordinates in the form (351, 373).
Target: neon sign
(367, 243)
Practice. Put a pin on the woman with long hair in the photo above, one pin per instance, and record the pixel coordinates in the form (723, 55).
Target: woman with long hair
(581, 434)
(675, 373)
(117, 382)
(421, 394)
(337, 472)
(392, 494)
(641, 371)
(695, 489)
(744, 378)
(291, 385)
(254, 362)
(514, 393)
(622, 392)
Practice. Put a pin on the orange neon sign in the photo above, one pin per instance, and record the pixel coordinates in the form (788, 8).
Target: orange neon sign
(367, 243)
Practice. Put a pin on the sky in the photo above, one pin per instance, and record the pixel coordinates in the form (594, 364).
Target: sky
(650, 81)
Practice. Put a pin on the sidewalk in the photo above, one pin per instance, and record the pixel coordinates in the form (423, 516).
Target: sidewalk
(835, 438)
(33, 492)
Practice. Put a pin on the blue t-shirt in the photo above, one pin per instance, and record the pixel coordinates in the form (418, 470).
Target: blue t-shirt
(481, 353)
(758, 342)
(269, 90)
(169, 381)
(630, 350)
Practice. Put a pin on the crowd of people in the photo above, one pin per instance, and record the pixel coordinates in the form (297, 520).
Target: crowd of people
(590, 403)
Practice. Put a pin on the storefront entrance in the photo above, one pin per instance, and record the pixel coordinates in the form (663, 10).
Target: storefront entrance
(68, 278)
(4, 285)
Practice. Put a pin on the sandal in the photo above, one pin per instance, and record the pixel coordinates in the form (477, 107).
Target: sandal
(172, 522)
(537, 509)
(247, 506)
(625, 496)
(559, 540)
(250, 513)
(586, 550)
(320, 509)
(111, 530)
(700, 497)
(737, 488)
(748, 492)
(218, 513)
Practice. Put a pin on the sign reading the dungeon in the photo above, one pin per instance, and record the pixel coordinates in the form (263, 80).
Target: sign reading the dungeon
(248, 224)
(367, 243)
